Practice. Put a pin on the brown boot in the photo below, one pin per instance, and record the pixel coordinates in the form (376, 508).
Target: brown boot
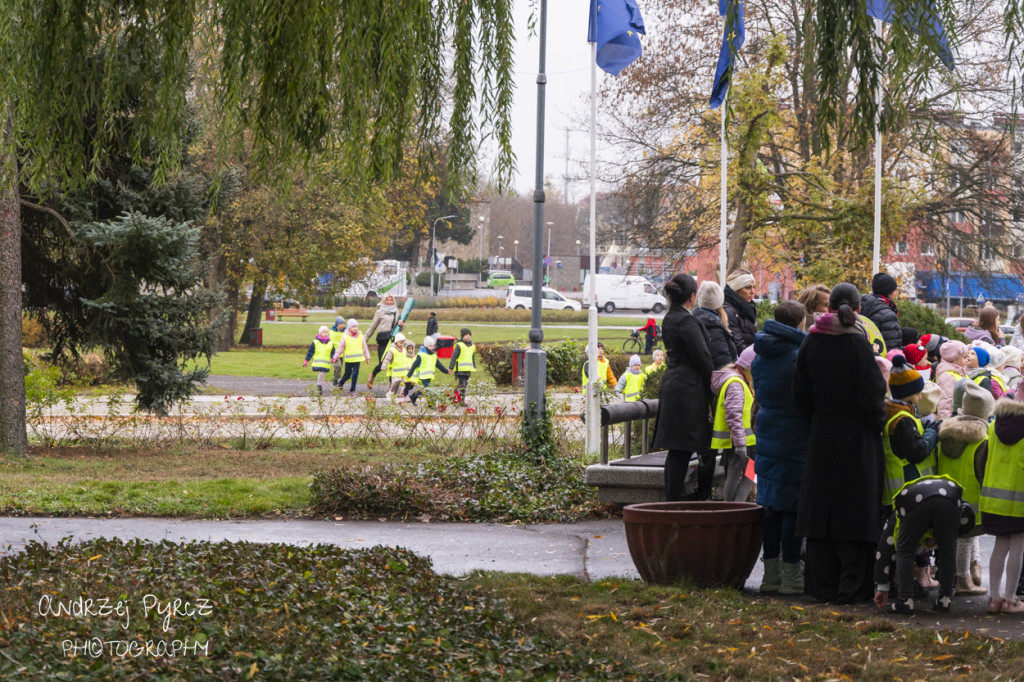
(976, 572)
(965, 587)
(369, 382)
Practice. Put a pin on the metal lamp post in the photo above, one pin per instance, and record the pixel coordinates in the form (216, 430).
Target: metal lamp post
(536, 359)
(515, 254)
(480, 261)
(433, 250)
(577, 248)
(499, 249)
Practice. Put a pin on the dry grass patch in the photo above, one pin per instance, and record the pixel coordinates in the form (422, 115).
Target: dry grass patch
(685, 632)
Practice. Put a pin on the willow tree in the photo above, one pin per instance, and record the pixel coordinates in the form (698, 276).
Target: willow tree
(360, 80)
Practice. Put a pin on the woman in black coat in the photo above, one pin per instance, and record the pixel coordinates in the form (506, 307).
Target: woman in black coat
(684, 399)
(839, 387)
(739, 306)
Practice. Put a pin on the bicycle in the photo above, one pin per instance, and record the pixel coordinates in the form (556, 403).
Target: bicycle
(636, 343)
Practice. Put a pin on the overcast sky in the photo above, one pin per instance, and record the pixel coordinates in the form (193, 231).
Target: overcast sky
(568, 88)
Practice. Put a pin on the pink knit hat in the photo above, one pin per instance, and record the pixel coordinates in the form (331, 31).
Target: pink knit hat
(884, 366)
(890, 356)
(953, 350)
(746, 358)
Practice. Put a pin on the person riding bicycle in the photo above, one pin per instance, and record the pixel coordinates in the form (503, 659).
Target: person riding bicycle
(651, 330)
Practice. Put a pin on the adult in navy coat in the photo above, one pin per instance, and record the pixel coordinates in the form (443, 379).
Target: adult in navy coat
(782, 430)
(684, 398)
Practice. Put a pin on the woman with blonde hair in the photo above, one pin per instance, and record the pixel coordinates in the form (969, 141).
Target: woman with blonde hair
(814, 299)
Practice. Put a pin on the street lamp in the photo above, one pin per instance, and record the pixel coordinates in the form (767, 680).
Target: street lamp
(577, 248)
(500, 247)
(433, 250)
(515, 256)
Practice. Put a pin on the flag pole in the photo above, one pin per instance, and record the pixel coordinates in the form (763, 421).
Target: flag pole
(593, 391)
(723, 202)
(877, 245)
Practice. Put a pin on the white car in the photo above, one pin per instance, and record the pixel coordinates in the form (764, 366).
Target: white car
(521, 298)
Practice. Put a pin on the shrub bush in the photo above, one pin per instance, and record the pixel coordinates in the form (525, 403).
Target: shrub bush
(492, 486)
(467, 312)
(926, 320)
(33, 333)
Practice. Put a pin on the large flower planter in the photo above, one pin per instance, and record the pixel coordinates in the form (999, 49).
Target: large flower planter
(713, 544)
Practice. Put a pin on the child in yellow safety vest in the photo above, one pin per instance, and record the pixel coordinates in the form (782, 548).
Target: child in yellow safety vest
(979, 369)
(320, 352)
(949, 370)
(354, 351)
(657, 362)
(604, 370)
(400, 373)
(1002, 503)
(395, 365)
(732, 431)
(464, 359)
(631, 383)
(962, 440)
(908, 444)
(423, 367)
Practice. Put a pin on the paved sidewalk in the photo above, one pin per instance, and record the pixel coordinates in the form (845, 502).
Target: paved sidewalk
(591, 550)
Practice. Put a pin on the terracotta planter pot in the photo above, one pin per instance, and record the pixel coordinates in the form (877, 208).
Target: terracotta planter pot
(713, 544)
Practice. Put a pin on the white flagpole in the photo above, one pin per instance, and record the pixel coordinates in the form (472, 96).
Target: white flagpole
(593, 395)
(877, 246)
(724, 200)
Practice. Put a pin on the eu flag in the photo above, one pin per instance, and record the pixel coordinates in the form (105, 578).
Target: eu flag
(930, 24)
(734, 34)
(615, 25)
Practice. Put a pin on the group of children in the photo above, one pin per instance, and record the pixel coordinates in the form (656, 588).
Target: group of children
(409, 369)
(954, 449)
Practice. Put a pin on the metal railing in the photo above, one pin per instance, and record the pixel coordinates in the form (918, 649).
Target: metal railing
(627, 413)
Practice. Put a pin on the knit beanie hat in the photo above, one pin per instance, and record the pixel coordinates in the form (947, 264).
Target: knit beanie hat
(634, 360)
(323, 331)
(953, 350)
(884, 366)
(353, 322)
(891, 355)
(739, 279)
(338, 320)
(464, 331)
(996, 358)
(746, 358)
(399, 338)
(883, 284)
(915, 353)
(909, 335)
(929, 398)
(904, 380)
(983, 356)
(429, 341)
(976, 401)
(1013, 356)
(710, 295)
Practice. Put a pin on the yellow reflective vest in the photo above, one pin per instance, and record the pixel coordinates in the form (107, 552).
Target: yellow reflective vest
(335, 337)
(428, 363)
(400, 363)
(633, 384)
(354, 348)
(465, 361)
(1002, 490)
(602, 373)
(721, 437)
(895, 471)
(961, 470)
(322, 354)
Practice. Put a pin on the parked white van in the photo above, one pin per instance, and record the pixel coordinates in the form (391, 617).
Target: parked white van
(521, 297)
(624, 291)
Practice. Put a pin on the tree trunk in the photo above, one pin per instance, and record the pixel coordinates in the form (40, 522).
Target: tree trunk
(217, 279)
(252, 319)
(13, 437)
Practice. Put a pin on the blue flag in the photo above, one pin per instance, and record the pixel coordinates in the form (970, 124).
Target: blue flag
(734, 34)
(930, 24)
(615, 25)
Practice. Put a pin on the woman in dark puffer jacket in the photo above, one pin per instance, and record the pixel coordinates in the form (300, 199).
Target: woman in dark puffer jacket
(710, 314)
(739, 306)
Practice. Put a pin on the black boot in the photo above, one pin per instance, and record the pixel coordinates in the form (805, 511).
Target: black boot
(705, 476)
